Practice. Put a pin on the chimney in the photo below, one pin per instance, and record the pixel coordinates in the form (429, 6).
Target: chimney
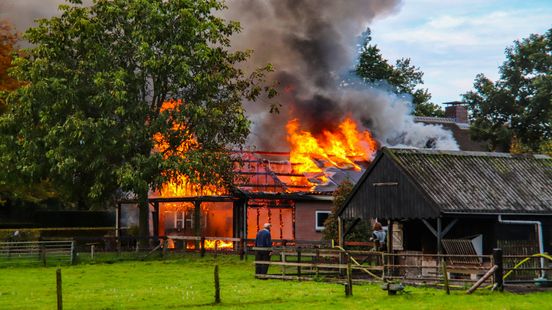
(457, 110)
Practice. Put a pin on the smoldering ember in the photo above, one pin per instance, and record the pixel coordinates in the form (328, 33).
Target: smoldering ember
(164, 130)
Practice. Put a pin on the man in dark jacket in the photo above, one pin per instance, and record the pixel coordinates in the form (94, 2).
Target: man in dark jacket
(263, 240)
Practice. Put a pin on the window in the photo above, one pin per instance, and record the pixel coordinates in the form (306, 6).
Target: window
(184, 219)
(321, 217)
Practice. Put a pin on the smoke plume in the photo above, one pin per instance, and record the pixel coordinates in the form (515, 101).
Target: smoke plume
(312, 45)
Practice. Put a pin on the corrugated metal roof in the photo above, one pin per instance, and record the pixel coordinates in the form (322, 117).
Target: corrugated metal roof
(467, 182)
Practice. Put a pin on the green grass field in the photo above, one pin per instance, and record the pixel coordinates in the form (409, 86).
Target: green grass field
(188, 282)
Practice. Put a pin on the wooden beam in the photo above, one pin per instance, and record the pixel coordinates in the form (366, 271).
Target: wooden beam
(483, 278)
(353, 224)
(430, 227)
(340, 231)
(448, 228)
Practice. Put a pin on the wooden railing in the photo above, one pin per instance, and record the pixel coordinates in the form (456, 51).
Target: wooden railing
(37, 252)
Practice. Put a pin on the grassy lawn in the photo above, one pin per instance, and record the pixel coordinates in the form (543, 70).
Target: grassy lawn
(188, 282)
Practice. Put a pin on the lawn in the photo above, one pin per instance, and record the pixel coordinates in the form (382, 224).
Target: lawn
(188, 282)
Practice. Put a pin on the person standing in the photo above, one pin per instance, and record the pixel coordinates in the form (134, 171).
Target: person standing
(263, 240)
(378, 236)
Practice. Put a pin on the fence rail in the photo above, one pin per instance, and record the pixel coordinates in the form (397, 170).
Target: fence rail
(37, 252)
(368, 266)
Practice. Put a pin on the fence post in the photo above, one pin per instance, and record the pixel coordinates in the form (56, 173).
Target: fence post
(242, 248)
(498, 275)
(58, 289)
(349, 285)
(283, 260)
(43, 253)
(298, 261)
(165, 246)
(216, 248)
(217, 285)
(318, 261)
(445, 276)
(73, 253)
(202, 247)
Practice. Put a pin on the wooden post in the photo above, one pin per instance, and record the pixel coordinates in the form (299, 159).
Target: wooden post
(317, 261)
(216, 248)
(58, 289)
(197, 220)
(92, 248)
(242, 248)
(439, 236)
(202, 247)
(118, 227)
(391, 257)
(349, 291)
(155, 220)
(483, 278)
(283, 260)
(43, 253)
(298, 261)
(498, 276)
(445, 276)
(217, 285)
(340, 231)
(73, 253)
(165, 246)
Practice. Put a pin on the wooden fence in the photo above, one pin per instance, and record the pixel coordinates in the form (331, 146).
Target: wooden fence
(44, 252)
(331, 265)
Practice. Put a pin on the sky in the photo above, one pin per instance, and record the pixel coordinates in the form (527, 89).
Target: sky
(451, 41)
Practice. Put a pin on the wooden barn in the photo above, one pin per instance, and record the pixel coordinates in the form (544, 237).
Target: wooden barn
(432, 199)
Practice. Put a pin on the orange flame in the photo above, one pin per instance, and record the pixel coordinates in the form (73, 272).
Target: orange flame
(341, 148)
(219, 244)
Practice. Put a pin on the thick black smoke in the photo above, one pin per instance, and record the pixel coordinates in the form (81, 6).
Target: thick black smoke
(312, 45)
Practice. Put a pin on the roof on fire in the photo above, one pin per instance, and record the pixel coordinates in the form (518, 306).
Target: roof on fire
(412, 183)
(272, 172)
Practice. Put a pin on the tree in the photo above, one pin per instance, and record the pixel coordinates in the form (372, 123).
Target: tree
(8, 40)
(12, 185)
(98, 76)
(361, 231)
(519, 104)
(402, 78)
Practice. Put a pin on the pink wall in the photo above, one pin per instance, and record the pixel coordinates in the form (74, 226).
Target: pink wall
(305, 213)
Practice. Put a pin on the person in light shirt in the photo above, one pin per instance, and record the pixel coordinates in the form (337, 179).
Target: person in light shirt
(378, 236)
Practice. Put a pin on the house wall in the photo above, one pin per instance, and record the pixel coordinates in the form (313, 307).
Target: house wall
(305, 217)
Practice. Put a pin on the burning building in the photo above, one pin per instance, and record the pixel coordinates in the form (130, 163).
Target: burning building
(292, 190)
(320, 126)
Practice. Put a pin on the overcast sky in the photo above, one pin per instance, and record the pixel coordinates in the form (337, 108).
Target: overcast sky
(453, 40)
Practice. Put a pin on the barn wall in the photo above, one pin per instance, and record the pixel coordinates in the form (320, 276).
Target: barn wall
(388, 193)
(305, 219)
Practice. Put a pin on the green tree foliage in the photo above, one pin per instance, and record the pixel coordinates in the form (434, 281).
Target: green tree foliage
(8, 41)
(402, 78)
(98, 76)
(519, 104)
(13, 186)
(361, 231)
